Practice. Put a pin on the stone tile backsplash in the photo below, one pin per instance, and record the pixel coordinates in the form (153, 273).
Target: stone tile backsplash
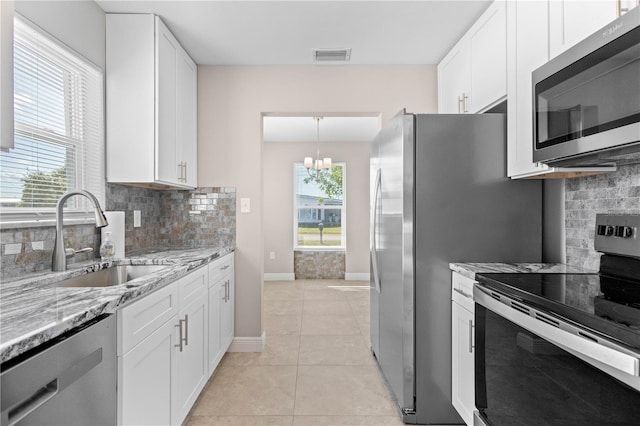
(617, 192)
(173, 219)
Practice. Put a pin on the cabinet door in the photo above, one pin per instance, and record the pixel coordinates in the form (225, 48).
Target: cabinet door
(186, 143)
(227, 314)
(453, 79)
(193, 367)
(572, 21)
(527, 49)
(6, 75)
(462, 372)
(488, 56)
(216, 296)
(146, 377)
(167, 50)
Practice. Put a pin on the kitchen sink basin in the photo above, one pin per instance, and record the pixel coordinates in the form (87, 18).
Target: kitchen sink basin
(112, 276)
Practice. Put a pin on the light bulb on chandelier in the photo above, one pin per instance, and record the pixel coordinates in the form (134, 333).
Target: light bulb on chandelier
(318, 164)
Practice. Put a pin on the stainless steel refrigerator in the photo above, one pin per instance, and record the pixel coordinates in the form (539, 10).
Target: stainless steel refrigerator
(439, 194)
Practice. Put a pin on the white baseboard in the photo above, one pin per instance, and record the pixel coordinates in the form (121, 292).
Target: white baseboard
(357, 276)
(283, 276)
(248, 344)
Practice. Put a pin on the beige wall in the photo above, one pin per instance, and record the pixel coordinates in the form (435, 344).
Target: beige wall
(278, 201)
(231, 101)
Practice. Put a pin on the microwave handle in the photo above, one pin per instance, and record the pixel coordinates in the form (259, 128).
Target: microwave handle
(616, 359)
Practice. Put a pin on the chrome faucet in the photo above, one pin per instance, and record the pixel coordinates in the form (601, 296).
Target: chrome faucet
(59, 261)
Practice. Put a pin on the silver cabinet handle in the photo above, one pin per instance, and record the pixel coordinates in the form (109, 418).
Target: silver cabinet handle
(471, 336)
(182, 338)
(467, 295)
(624, 9)
(225, 267)
(183, 171)
(186, 330)
(464, 103)
(459, 103)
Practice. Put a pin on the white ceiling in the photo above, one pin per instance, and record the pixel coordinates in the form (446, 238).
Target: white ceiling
(332, 129)
(285, 32)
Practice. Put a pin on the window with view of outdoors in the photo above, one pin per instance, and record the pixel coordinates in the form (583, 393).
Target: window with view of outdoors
(58, 119)
(319, 207)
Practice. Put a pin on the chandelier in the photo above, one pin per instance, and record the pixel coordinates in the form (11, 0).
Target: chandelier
(319, 163)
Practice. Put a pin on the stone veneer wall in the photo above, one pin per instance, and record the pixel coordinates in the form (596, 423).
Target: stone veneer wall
(318, 265)
(204, 217)
(617, 192)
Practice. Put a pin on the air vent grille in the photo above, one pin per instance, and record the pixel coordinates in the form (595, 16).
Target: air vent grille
(331, 55)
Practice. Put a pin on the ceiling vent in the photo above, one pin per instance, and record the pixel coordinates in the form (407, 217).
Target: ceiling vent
(331, 55)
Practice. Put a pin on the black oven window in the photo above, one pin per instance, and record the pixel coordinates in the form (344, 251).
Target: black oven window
(521, 379)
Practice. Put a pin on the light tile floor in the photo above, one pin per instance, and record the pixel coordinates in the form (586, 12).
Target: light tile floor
(316, 368)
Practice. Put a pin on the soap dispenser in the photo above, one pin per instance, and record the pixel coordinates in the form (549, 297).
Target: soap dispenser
(107, 248)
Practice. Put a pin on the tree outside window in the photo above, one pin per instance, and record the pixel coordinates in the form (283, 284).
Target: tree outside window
(319, 208)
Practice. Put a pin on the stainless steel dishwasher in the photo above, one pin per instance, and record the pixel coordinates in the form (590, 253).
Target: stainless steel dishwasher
(69, 381)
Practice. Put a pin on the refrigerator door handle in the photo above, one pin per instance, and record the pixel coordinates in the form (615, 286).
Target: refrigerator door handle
(374, 226)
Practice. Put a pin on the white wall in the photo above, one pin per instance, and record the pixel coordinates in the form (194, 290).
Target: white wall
(78, 24)
(278, 201)
(231, 101)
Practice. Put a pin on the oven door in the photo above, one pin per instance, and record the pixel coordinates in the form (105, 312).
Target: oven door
(531, 368)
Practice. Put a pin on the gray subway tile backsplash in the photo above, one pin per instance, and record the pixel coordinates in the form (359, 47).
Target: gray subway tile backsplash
(168, 222)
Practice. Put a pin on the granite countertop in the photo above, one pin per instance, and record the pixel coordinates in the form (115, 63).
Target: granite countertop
(33, 310)
(470, 270)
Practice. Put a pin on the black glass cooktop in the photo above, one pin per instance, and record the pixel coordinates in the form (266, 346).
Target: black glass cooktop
(605, 304)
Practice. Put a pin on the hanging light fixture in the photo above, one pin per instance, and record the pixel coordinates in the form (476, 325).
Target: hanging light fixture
(317, 164)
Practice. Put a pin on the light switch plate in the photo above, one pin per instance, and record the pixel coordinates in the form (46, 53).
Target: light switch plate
(137, 219)
(245, 205)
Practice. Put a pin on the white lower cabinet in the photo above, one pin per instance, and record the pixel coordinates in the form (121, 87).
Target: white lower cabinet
(462, 349)
(162, 353)
(146, 374)
(192, 344)
(221, 308)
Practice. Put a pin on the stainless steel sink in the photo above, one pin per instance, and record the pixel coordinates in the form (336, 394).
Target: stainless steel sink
(112, 276)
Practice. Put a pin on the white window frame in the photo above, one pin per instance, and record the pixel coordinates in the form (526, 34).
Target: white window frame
(343, 209)
(18, 217)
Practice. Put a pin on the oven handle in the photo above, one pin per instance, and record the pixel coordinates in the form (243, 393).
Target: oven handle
(619, 359)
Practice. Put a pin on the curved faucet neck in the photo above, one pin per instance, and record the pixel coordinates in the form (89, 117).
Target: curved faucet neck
(59, 260)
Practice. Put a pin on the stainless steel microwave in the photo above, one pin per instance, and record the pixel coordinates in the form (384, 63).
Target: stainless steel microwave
(586, 101)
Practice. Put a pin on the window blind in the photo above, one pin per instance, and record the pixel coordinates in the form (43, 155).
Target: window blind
(59, 126)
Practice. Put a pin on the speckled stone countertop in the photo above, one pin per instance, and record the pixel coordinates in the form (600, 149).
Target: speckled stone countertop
(470, 270)
(33, 310)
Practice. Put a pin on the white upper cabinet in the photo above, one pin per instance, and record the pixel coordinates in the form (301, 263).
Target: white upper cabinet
(6, 75)
(488, 49)
(571, 21)
(531, 26)
(454, 80)
(472, 77)
(527, 49)
(151, 104)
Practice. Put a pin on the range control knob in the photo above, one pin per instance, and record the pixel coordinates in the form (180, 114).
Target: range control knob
(608, 230)
(624, 231)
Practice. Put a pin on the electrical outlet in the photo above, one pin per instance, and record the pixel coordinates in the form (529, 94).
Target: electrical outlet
(15, 248)
(272, 255)
(245, 205)
(37, 245)
(137, 219)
